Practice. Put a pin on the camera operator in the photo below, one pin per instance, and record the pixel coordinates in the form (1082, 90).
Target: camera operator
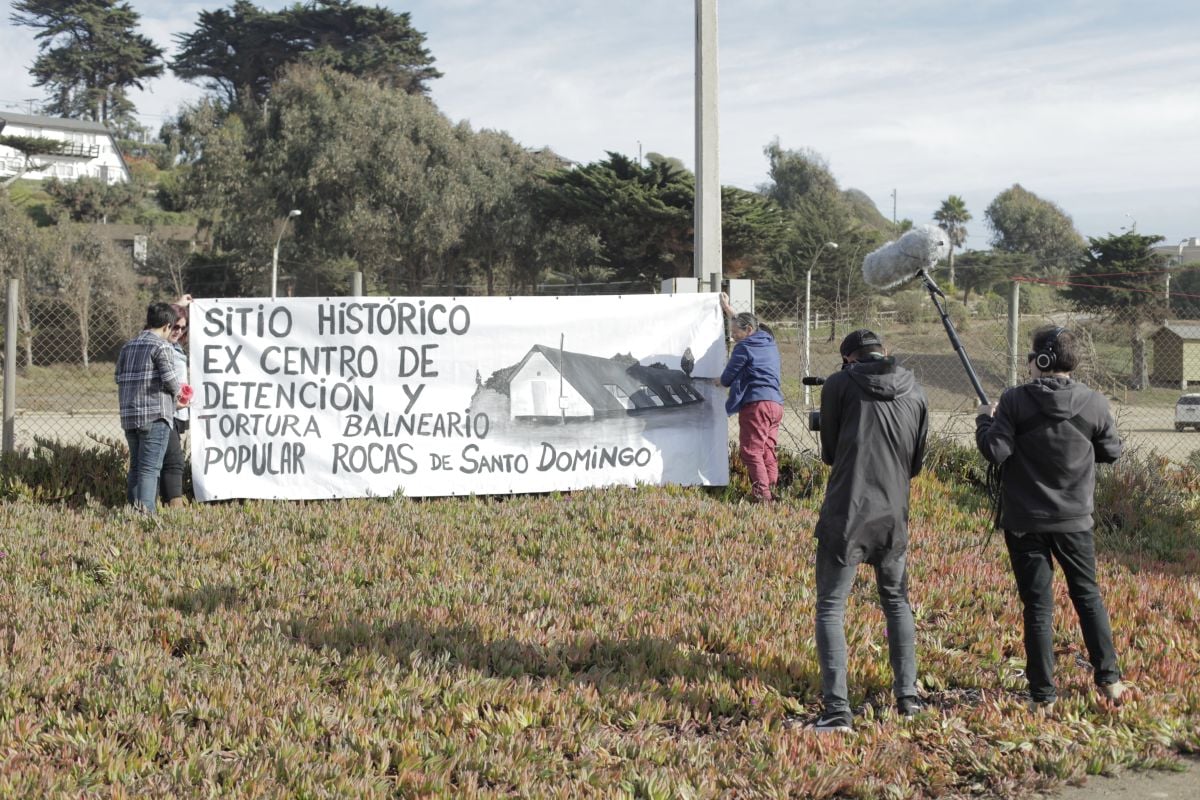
(1048, 435)
(874, 420)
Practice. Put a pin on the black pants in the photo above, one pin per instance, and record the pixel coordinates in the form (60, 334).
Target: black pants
(170, 482)
(1032, 556)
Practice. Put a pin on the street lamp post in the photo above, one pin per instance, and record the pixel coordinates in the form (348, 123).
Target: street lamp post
(807, 308)
(295, 212)
(1178, 263)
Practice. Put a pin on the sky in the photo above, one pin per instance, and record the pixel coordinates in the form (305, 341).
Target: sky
(1093, 105)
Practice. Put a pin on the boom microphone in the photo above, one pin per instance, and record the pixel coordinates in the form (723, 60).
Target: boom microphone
(915, 252)
(912, 256)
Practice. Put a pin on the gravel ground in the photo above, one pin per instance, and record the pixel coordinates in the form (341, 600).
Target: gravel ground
(1136, 785)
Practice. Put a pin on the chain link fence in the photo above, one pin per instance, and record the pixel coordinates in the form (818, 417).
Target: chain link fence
(1144, 370)
(64, 387)
(62, 377)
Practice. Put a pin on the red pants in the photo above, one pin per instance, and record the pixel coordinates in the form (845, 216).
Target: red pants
(758, 433)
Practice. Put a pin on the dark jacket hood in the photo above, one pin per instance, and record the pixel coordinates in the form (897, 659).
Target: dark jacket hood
(881, 379)
(1058, 398)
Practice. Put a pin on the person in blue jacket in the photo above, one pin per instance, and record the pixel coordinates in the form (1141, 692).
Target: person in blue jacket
(752, 376)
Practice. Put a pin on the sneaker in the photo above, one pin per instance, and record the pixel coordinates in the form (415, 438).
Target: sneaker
(909, 706)
(836, 722)
(1042, 707)
(1115, 692)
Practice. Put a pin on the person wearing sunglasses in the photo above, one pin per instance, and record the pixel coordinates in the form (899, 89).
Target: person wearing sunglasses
(171, 478)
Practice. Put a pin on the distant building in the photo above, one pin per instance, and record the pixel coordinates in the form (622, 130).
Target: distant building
(135, 238)
(1184, 252)
(1177, 353)
(91, 150)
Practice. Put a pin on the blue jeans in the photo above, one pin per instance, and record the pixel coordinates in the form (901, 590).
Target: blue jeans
(147, 446)
(1033, 556)
(833, 587)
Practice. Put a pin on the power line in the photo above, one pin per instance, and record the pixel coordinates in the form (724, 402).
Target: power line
(1154, 291)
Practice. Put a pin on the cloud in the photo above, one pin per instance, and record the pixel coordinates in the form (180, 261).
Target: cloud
(1089, 104)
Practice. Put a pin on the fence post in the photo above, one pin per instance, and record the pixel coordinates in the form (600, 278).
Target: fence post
(1014, 317)
(10, 368)
(356, 284)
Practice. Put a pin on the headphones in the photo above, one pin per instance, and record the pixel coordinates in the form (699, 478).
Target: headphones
(1047, 357)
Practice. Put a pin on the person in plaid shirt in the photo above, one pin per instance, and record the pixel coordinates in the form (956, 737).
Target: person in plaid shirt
(148, 383)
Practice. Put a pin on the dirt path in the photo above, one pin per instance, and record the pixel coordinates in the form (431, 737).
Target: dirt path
(1136, 785)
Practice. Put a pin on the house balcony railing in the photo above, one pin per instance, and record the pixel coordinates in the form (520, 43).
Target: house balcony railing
(79, 150)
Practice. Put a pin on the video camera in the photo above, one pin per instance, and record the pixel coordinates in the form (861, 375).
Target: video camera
(814, 416)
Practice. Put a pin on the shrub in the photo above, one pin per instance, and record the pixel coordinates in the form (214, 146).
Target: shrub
(800, 475)
(1038, 299)
(1144, 505)
(52, 472)
(953, 462)
(960, 313)
(1147, 506)
(994, 305)
(913, 306)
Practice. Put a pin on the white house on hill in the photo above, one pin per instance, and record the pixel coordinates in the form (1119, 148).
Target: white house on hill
(91, 150)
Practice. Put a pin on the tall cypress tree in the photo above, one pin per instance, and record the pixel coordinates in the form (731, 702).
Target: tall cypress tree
(89, 55)
(241, 51)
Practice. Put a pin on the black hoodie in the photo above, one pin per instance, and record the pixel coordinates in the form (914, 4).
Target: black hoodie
(874, 419)
(1048, 434)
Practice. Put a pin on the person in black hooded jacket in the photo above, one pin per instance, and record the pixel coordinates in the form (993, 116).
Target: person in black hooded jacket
(1048, 435)
(874, 420)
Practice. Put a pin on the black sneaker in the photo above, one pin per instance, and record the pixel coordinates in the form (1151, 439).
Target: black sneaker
(835, 722)
(909, 706)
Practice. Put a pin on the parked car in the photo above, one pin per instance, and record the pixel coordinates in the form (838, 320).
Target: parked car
(1187, 412)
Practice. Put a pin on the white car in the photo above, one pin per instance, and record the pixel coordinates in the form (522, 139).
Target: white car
(1187, 412)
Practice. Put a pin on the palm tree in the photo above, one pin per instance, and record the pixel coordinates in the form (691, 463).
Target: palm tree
(952, 218)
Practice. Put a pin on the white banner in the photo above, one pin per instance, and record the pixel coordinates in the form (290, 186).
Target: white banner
(355, 397)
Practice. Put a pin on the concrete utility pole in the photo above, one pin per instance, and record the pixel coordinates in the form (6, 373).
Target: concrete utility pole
(295, 212)
(708, 177)
(10, 368)
(807, 319)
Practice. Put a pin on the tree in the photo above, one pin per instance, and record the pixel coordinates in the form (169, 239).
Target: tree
(642, 214)
(93, 280)
(89, 277)
(1022, 222)
(496, 240)
(167, 262)
(1185, 292)
(382, 178)
(752, 227)
(22, 257)
(90, 54)
(952, 217)
(240, 52)
(644, 217)
(90, 199)
(563, 254)
(30, 146)
(1126, 283)
(989, 270)
(816, 211)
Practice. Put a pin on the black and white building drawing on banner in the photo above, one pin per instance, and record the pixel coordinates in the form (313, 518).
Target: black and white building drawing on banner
(554, 385)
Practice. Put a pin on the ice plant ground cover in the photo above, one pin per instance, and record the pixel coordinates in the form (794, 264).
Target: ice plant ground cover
(645, 643)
